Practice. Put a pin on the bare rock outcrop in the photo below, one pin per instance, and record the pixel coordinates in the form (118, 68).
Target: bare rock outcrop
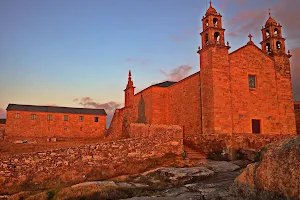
(275, 176)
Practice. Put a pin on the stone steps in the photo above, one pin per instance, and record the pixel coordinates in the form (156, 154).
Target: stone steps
(192, 154)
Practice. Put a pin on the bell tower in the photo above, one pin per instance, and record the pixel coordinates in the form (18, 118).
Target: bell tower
(129, 91)
(273, 44)
(214, 76)
(212, 33)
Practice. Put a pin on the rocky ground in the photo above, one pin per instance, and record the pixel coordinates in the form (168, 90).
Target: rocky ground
(202, 179)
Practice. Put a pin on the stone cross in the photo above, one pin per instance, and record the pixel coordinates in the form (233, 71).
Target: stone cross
(250, 36)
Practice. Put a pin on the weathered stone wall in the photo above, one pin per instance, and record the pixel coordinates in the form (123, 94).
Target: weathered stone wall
(2, 131)
(215, 90)
(217, 143)
(73, 165)
(260, 102)
(146, 96)
(24, 126)
(119, 125)
(297, 115)
(145, 130)
(184, 104)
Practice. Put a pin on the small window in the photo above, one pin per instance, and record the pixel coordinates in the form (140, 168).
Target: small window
(17, 115)
(49, 117)
(66, 128)
(252, 81)
(33, 116)
(81, 128)
(66, 118)
(49, 128)
(96, 119)
(81, 118)
(256, 126)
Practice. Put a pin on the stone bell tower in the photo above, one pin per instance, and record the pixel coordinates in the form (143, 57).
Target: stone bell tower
(129, 92)
(214, 75)
(273, 44)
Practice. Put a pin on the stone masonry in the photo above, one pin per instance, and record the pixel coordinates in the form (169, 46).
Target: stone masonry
(76, 164)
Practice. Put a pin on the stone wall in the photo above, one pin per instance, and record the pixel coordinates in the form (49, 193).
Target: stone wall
(224, 143)
(2, 131)
(78, 164)
(145, 130)
(297, 115)
(119, 126)
(41, 127)
(184, 104)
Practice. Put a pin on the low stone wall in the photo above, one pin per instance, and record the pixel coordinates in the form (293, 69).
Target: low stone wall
(78, 164)
(230, 144)
(2, 131)
(146, 130)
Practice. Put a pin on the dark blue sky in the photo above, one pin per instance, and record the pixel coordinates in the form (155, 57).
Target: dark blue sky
(52, 52)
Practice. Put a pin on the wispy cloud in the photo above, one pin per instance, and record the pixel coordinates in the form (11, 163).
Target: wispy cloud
(177, 73)
(295, 68)
(176, 38)
(139, 61)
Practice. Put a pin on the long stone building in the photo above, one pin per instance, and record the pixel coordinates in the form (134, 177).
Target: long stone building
(29, 121)
(246, 91)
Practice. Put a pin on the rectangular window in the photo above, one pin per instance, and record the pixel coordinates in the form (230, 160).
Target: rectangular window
(49, 117)
(17, 115)
(256, 126)
(252, 81)
(49, 129)
(33, 116)
(81, 128)
(66, 128)
(66, 118)
(96, 119)
(81, 118)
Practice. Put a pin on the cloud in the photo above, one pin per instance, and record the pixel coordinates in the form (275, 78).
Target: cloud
(295, 70)
(177, 73)
(232, 34)
(138, 61)
(176, 38)
(2, 113)
(284, 12)
(109, 107)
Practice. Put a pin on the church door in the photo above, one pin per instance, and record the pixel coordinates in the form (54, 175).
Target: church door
(256, 126)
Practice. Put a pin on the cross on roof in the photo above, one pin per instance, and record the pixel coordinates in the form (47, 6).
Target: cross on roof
(250, 36)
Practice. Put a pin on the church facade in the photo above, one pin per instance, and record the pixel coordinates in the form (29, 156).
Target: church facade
(246, 91)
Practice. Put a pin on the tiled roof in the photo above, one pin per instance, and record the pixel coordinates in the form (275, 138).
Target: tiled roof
(164, 84)
(55, 109)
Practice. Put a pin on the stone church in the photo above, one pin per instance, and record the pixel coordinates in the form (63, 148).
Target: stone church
(246, 91)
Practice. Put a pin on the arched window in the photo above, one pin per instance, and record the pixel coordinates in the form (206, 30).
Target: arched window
(215, 21)
(267, 33)
(217, 37)
(206, 23)
(276, 32)
(278, 45)
(268, 47)
(206, 38)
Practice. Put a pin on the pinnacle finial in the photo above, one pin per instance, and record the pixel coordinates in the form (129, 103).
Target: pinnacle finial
(129, 73)
(210, 4)
(269, 12)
